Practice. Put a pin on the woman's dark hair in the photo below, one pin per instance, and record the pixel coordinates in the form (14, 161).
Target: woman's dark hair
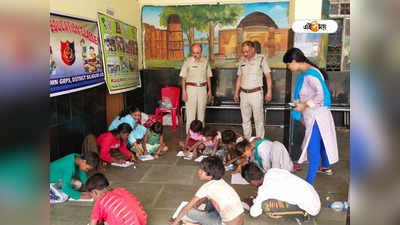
(228, 136)
(92, 158)
(128, 110)
(122, 128)
(213, 166)
(196, 125)
(157, 127)
(209, 131)
(298, 55)
(241, 147)
(248, 43)
(251, 172)
(96, 182)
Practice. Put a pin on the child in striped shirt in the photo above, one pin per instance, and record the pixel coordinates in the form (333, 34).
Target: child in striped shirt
(115, 207)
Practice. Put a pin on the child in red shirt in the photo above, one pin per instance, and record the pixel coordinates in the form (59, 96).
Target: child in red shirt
(115, 139)
(116, 207)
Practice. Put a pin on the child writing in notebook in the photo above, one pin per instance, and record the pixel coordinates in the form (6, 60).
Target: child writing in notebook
(114, 206)
(67, 167)
(265, 153)
(276, 196)
(132, 116)
(229, 139)
(194, 139)
(222, 201)
(211, 141)
(135, 139)
(113, 145)
(153, 141)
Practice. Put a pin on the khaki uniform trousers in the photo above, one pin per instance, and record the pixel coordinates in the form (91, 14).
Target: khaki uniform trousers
(196, 103)
(252, 103)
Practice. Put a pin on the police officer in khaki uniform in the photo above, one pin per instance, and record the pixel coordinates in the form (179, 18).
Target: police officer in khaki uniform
(196, 77)
(249, 87)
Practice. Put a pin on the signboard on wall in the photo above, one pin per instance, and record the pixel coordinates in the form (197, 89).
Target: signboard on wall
(75, 56)
(120, 54)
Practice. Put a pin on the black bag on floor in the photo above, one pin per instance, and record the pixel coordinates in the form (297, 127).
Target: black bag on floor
(298, 131)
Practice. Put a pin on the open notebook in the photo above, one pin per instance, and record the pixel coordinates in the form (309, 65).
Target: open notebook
(238, 179)
(188, 157)
(200, 158)
(80, 200)
(58, 196)
(146, 157)
(126, 164)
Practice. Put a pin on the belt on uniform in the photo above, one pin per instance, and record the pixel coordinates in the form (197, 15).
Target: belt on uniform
(197, 84)
(251, 90)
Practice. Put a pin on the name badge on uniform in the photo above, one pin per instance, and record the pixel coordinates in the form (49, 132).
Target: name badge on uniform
(194, 66)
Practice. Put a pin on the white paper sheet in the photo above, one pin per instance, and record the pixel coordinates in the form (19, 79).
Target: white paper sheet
(238, 179)
(180, 153)
(200, 158)
(126, 164)
(230, 167)
(146, 157)
(180, 207)
(188, 157)
(80, 200)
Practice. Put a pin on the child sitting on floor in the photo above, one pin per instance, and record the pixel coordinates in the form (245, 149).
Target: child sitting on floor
(63, 171)
(153, 141)
(280, 193)
(211, 141)
(113, 145)
(222, 202)
(136, 138)
(116, 206)
(194, 139)
(265, 153)
(229, 138)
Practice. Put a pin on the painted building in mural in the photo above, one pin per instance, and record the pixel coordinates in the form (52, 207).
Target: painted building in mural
(257, 27)
(164, 43)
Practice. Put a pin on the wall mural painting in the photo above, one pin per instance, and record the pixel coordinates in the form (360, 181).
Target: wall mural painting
(169, 31)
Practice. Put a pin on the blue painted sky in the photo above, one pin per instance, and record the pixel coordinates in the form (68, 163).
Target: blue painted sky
(275, 10)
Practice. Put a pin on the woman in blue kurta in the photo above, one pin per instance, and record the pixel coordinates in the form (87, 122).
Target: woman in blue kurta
(313, 100)
(131, 116)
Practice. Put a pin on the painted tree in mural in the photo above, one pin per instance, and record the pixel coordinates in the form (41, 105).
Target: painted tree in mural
(214, 15)
(187, 17)
(204, 18)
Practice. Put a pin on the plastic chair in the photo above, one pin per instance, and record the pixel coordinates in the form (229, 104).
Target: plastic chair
(173, 93)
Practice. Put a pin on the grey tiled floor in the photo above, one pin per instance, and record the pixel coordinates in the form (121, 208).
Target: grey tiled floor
(162, 184)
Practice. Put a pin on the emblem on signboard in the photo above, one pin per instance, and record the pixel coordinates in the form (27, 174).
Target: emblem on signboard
(68, 52)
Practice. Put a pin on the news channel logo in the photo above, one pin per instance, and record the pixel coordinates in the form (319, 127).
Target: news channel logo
(315, 26)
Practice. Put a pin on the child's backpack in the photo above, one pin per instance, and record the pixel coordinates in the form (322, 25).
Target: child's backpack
(151, 120)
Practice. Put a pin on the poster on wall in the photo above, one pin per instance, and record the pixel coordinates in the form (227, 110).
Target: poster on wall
(169, 31)
(75, 56)
(120, 54)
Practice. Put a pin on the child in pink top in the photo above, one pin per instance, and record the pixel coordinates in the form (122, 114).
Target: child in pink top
(116, 207)
(211, 141)
(194, 139)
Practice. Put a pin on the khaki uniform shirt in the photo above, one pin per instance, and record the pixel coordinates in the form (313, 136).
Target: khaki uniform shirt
(252, 71)
(194, 71)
